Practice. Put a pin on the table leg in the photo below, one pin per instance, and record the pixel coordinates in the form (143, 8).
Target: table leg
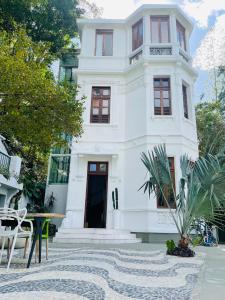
(40, 240)
(32, 248)
(38, 233)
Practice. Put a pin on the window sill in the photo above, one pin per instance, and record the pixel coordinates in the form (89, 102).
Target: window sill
(168, 117)
(101, 125)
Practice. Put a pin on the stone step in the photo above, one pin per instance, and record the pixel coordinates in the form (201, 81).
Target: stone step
(94, 241)
(93, 231)
(94, 235)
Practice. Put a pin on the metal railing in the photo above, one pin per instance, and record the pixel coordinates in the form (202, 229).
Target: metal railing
(4, 163)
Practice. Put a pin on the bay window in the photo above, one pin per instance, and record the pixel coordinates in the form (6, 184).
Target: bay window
(162, 96)
(160, 32)
(185, 100)
(181, 36)
(137, 34)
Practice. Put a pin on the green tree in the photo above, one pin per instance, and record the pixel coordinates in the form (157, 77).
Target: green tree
(52, 21)
(34, 109)
(210, 127)
(201, 188)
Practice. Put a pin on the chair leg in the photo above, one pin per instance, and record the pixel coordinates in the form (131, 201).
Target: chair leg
(8, 248)
(3, 245)
(47, 249)
(36, 251)
(11, 251)
(25, 248)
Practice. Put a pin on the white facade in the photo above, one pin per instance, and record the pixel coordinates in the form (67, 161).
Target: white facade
(134, 128)
(9, 173)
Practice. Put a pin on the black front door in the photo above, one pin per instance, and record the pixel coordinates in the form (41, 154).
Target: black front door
(96, 198)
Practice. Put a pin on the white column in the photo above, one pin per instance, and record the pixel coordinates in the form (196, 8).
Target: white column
(146, 35)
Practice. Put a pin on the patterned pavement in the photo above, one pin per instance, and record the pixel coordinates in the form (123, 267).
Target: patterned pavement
(98, 274)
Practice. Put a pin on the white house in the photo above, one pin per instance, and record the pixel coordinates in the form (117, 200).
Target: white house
(138, 78)
(9, 173)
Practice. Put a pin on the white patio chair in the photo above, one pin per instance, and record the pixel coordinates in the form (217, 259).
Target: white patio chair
(7, 232)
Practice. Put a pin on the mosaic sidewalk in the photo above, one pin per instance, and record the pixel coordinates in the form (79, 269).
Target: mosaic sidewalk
(98, 274)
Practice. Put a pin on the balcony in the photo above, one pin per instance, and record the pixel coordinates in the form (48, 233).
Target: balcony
(159, 51)
(5, 164)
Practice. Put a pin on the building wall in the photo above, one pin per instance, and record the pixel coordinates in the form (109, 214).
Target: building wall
(133, 127)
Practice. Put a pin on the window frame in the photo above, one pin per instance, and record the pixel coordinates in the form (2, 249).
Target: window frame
(140, 41)
(101, 98)
(159, 19)
(173, 174)
(161, 89)
(103, 32)
(181, 30)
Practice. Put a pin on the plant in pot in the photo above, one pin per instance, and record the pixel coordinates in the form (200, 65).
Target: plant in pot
(200, 193)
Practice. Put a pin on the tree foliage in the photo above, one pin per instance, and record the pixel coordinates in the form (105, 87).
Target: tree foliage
(52, 21)
(34, 109)
(210, 127)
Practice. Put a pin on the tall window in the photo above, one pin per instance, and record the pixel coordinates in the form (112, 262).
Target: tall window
(160, 32)
(162, 97)
(59, 169)
(104, 42)
(185, 100)
(137, 34)
(168, 193)
(100, 105)
(181, 36)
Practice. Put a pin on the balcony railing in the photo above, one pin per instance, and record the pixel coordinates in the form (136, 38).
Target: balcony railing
(135, 57)
(161, 50)
(4, 164)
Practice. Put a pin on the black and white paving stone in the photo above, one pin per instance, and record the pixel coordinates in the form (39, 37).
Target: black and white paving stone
(98, 274)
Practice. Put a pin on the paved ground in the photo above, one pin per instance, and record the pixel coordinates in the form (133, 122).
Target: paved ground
(140, 271)
(211, 282)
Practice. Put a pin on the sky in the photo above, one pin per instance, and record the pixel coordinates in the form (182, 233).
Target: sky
(208, 37)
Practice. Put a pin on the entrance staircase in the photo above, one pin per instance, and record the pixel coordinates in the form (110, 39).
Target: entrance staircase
(95, 236)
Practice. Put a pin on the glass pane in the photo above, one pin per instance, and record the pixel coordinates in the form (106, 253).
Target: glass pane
(166, 103)
(135, 38)
(105, 111)
(96, 103)
(165, 94)
(165, 82)
(140, 34)
(92, 167)
(105, 92)
(99, 44)
(108, 44)
(105, 103)
(157, 102)
(164, 32)
(59, 170)
(103, 167)
(155, 31)
(157, 94)
(68, 74)
(156, 82)
(95, 111)
(96, 92)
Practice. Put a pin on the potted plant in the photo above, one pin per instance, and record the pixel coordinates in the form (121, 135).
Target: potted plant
(200, 195)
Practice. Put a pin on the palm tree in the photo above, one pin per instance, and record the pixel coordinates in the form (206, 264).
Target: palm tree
(200, 194)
